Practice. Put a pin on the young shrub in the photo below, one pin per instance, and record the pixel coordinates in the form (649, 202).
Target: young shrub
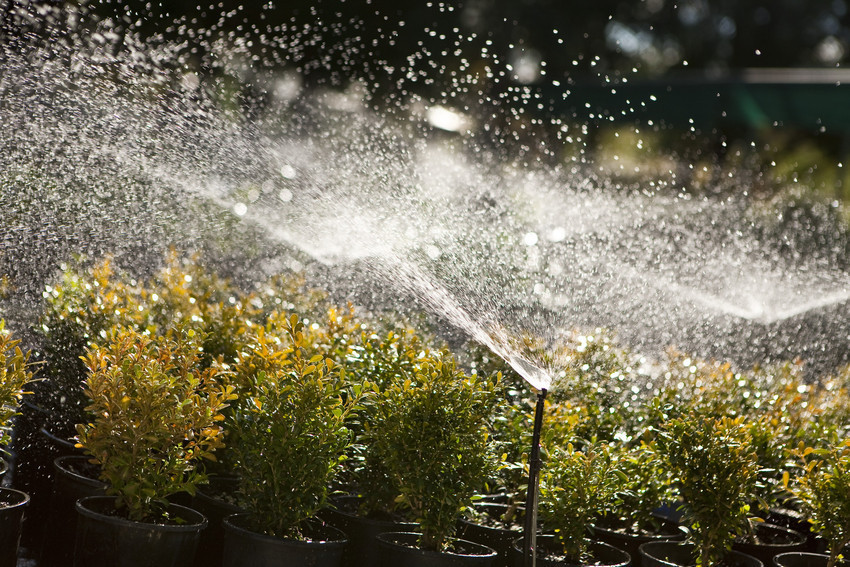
(645, 487)
(156, 414)
(426, 441)
(80, 309)
(289, 433)
(596, 375)
(575, 488)
(511, 435)
(824, 490)
(186, 293)
(773, 455)
(714, 471)
(15, 374)
(373, 359)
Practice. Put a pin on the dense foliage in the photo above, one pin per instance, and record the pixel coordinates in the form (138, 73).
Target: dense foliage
(824, 489)
(575, 487)
(300, 398)
(288, 434)
(155, 415)
(426, 437)
(16, 372)
(714, 471)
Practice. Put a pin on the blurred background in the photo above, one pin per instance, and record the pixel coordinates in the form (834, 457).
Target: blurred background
(755, 83)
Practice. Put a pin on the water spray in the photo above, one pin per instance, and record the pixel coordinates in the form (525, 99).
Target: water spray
(530, 535)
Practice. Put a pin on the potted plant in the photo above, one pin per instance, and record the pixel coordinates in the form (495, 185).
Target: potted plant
(714, 471)
(764, 540)
(290, 437)
(263, 350)
(183, 290)
(824, 490)
(156, 415)
(363, 505)
(497, 518)
(79, 309)
(15, 374)
(576, 486)
(426, 454)
(630, 519)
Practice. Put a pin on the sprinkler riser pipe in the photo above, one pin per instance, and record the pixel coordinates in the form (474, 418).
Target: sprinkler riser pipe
(530, 534)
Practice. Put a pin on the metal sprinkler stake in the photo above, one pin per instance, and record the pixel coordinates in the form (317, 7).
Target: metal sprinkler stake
(530, 536)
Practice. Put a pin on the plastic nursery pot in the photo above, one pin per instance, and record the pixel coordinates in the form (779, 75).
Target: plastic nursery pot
(630, 542)
(549, 553)
(791, 519)
(242, 547)
(60, 444)
(669, 512)
(33, 457)
(107, 540)
(674, 554)
(772, 540)
(801, 559)
(362, 548)
(214, 503)
(399, 549)
(74, 477)
(488, 529)
(12, 504)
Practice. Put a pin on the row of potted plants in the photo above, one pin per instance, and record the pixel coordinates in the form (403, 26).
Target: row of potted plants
(285, 403)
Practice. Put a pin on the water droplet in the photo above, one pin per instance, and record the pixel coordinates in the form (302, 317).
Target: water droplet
(557, 234)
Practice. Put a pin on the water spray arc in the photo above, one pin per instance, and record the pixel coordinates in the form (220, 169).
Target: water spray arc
(530, 534)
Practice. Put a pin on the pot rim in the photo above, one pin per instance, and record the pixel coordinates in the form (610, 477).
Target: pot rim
(800, 539)
(627, 558)
(649, 545)
(196, 520)
(60, 466)
(61, 441)
(229, 523)
(678, 529)
(821, 557)
(397, 526)
(386, 539)
(22, 497)
(500, 529)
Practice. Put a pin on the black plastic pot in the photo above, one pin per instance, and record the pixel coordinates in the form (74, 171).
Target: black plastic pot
(630, 543)
(497, 537)
(12, 504)
(548, 548)
(798, 559)
(70, 483)
(669, 512)
(399, 549)
(32, 469)
(790, 518)
(673, 554)
(361, 531)
(107, 540)
(776, 540)
(215, 509)
(243, 547)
